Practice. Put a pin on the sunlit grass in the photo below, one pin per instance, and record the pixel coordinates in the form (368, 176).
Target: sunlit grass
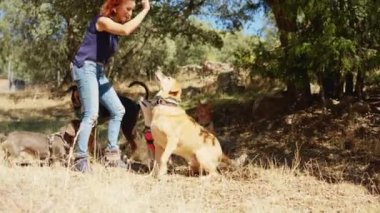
(251, 189)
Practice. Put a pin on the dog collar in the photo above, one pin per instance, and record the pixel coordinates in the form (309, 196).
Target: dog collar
(167, 101)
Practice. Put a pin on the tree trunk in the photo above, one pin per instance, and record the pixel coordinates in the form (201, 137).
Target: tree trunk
(322, 93)
(333, 85)
(285, 21)
(291, 89)
(359, 84)
(349, 88)
(305, 88)
(339, 87)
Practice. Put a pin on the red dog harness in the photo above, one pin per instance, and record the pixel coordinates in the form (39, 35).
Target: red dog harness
(149, 138)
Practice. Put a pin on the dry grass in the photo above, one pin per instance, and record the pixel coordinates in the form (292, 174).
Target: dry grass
(251, 189)
(43, 189)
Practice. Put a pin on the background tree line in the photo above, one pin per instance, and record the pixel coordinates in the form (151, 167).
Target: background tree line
(333, 43)
(39, 38)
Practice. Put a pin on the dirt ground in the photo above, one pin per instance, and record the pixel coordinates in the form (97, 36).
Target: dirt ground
(4, 86)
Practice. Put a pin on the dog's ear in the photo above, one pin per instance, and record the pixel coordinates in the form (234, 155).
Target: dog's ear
(144, 103)
(75, 98)
(72, 88)
(176, 91)
(173, 93)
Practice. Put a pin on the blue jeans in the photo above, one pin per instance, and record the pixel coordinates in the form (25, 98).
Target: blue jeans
(93, 87)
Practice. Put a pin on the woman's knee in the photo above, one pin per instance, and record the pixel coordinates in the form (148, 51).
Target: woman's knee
(119, 112)
(90, 118)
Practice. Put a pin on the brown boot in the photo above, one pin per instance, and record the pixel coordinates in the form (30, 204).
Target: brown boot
(81, 164)
(113, 159)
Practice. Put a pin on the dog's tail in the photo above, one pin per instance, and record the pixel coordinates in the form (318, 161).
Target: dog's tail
(133, 83)
(233, 163)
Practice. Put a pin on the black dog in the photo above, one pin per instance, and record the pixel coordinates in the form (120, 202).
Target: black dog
(129, 120)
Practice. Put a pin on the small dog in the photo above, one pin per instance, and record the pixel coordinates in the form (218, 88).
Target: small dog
(177, 133)
(38, 146)
(132, 110)
(70, 130)
(203, 115)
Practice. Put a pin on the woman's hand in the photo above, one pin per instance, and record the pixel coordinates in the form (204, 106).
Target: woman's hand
(145, 4)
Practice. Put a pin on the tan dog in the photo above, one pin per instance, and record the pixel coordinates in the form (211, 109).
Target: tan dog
(177, 133)
(32, 145)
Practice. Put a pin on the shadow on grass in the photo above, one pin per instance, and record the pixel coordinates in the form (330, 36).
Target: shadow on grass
(51, 113)
(33, 125)
(274, 143)
(39, 119)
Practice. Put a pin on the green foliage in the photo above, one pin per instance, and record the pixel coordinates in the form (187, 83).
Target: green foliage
(237, 49)
(40, 38)
(267, 61)
(322, 38)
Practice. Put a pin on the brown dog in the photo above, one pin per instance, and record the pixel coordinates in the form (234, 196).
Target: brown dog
(177, 133)
(38, 146)
(203, 115)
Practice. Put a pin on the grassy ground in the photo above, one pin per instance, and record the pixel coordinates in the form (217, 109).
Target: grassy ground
(36, 189)
(251, 189)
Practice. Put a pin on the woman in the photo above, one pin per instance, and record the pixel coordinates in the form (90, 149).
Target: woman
(99, 44)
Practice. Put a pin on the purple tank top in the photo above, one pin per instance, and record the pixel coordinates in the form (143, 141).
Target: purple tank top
(96, 46)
